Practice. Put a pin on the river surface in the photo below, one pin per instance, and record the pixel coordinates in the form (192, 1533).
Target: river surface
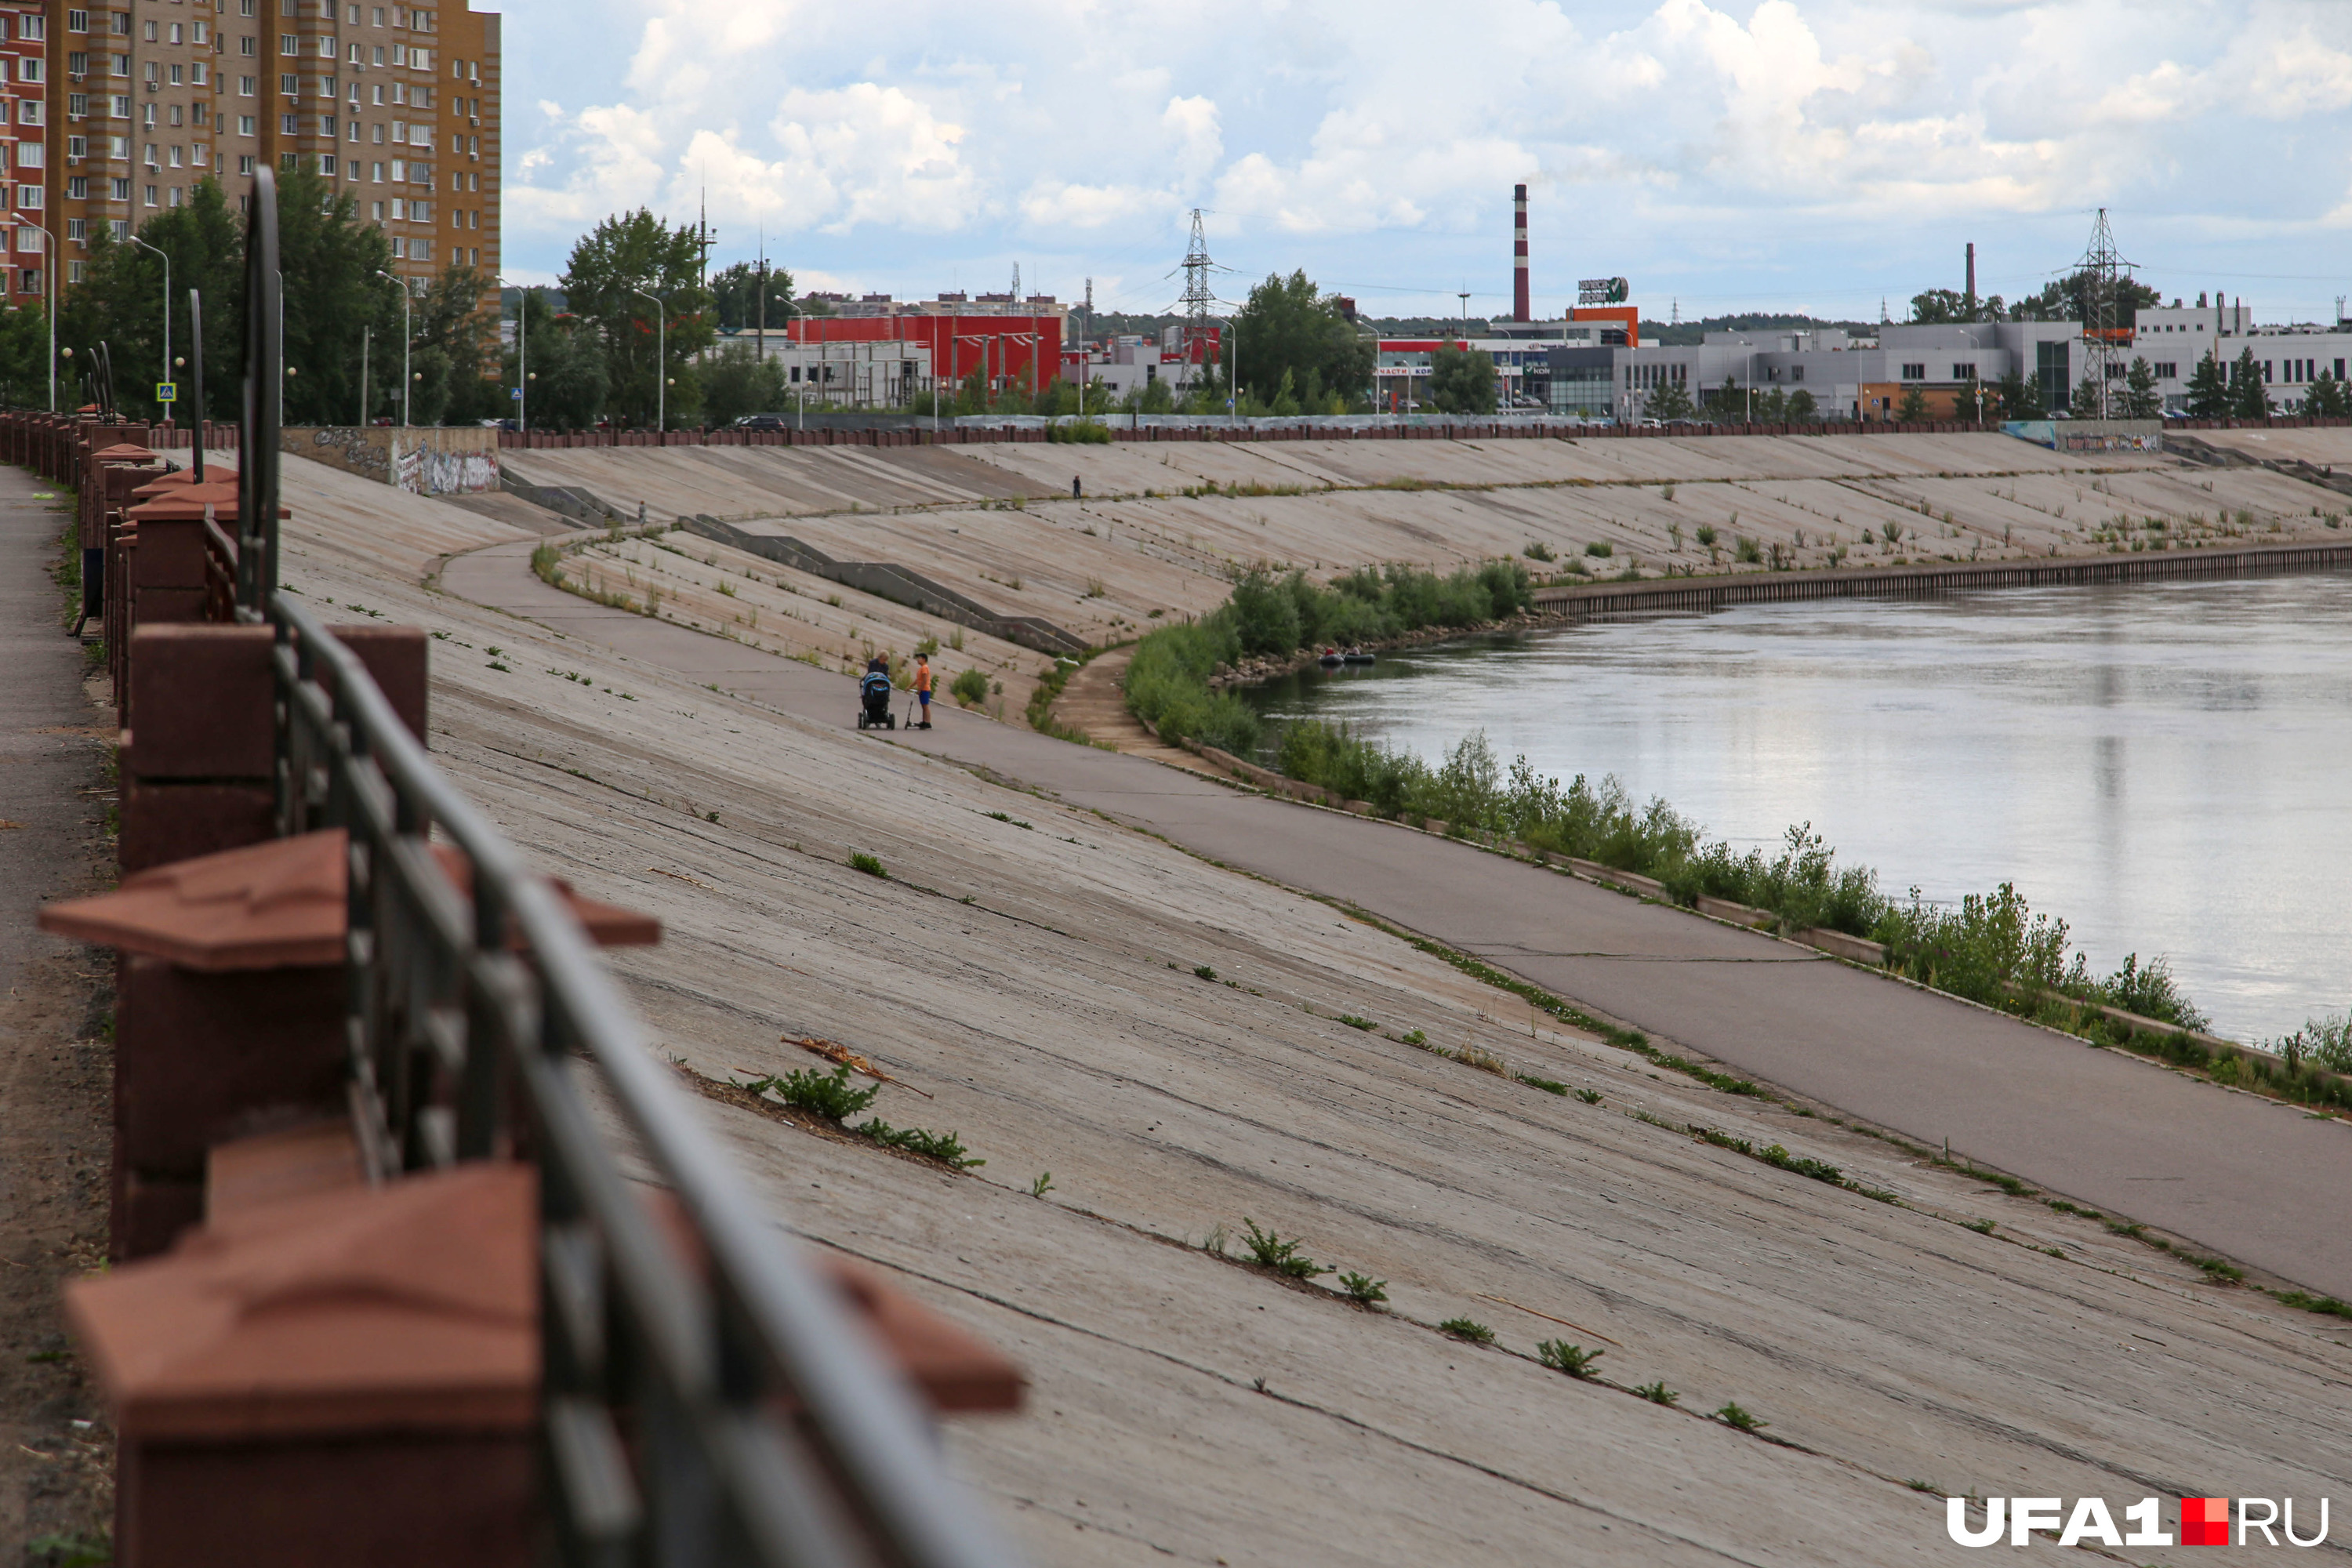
(2165, 766)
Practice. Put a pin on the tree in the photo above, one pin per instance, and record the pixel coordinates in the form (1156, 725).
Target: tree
(1773, 406)
(455, 327)
(645, 343)
(1727, 402)
(1668, 402)
(1461, 381)
(2085, 401)
(25, 358)
(1939, 305)
(2208, 390)
(2249, 399)
(120, 302)
(737, 381)
(2070, 298)
(2327, 398)
(1801, 406)
(565, 371)
(2141, 400)
(735, 296)
(332, 264)
(1289, 327)
(2020, 397)
(1911, 408)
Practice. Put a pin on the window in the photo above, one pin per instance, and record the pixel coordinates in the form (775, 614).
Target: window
(287, 44)
(247, 85)
(32, 29)
(28, 237)
(244, 45)
(122, 191)
(29, 280)
(244, 127)
(2339, 370)
(29, 70)
(399, 249)
(77, 105)
(77, 146)
(204, 33)
(197, 155)
(173, 154)
(244, 163)
(177, 75)
(291, 85)
(176, 31)
(399, 212)
(152, 197)
(31, 155)
(375, 174)
(2165, 370)
(245, 8)
(76, 21)
(375, 16)
(399, 130)
(78, 229)
(201, 74)
(326, 163)
(118, 65)
(149, 34)
(204, 112)
(1915, 372)
(377, 58)
(120, 105)
(326, 125)
(76, 190)
(121, 226)
(119, 24)
(74, 270)
(287, 123)
(376, 212)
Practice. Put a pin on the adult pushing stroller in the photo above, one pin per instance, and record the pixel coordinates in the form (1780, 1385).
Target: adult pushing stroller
(874, 699)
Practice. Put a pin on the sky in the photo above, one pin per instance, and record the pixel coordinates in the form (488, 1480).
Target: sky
(1815, 156)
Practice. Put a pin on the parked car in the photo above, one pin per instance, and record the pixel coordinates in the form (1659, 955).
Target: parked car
(762, 422)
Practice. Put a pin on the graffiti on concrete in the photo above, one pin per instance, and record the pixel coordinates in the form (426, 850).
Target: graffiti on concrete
(427, 470)
(361, 451)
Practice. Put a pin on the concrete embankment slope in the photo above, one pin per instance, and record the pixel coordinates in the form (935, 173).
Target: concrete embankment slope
(1188, 1406)
(1163, 527)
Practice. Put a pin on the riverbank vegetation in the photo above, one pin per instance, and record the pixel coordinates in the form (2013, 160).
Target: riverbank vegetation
(1273, 616)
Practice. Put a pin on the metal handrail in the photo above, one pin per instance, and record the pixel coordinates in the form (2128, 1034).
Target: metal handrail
(697, 1410)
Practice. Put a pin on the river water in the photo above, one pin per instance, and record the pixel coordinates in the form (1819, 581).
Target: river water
(2163, 765)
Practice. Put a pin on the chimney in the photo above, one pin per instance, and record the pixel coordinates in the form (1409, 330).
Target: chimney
(1519, 311)
(1972, 278)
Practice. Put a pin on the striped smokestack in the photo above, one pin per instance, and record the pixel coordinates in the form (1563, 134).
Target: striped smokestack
(1519, 311)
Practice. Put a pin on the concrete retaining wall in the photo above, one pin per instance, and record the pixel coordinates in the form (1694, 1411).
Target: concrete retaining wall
(423, 460)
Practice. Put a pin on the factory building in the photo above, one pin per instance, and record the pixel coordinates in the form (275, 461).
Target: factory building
(877, 352)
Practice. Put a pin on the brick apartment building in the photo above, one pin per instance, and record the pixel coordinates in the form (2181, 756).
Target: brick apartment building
(110, 113)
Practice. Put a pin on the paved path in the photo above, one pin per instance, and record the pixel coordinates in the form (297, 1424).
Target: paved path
(45, 727)
(2245, 1177)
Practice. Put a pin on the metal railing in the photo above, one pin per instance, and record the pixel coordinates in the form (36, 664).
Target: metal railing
(703, 1403)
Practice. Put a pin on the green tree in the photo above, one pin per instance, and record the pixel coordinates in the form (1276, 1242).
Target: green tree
(1911, 408)
(2071, 298)
(1729, 402)
(24, 359)
(2249, 398)
(1461, 381)
(1289, 327)
(972, 395)
(2141, 400)
(735, 297)
(2208, 390)
(455, 327)
(1773, 406)
(2084, 403)
(645, 343)
(1939, 305)
(333, 264)
(1801, 406)
(2020, 397)
(564, 375)
(120, 303)
(736, 381)
(1669, 402)
(2327, 398)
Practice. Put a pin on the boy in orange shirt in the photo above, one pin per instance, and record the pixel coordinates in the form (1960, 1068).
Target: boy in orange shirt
(923, 687)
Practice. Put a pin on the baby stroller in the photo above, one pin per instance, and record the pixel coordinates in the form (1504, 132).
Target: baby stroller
(874, 699)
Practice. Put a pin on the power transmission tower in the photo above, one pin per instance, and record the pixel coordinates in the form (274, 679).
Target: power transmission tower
(2105, 339)
(1198, 295)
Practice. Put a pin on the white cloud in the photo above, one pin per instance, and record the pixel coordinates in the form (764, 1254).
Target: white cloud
(1666, 136)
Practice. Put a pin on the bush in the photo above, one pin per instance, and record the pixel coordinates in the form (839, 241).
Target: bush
(1081, 432)
(970, 688)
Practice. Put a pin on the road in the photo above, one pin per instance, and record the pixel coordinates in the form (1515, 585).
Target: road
(2247, 1177)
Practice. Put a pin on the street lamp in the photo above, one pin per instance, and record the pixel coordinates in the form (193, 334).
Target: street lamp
(661, 359)
(404, 342)
(167, 308)
(1234, 372)
(49, 248)
(522, 358)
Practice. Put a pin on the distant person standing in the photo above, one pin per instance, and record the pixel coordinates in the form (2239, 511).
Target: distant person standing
(923, 687)
(1077, 486)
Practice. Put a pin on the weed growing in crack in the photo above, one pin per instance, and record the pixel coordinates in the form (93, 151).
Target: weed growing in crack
(1981, 1226)
(1269, 1250)
(1353, 1022)
(946, 1147)
(1658, 1393)
(1573, 1360)
(1041, 1184)
(1215, 1241)
(1803, 1165)
(1413, 1038)
(1589, 1096)
(1363, 1290)
(1205, 972)
(1548, 1086)
(2305, 1302)
(871, 865)
(1731, 1415)
(826, 1094)
(1475, 1333)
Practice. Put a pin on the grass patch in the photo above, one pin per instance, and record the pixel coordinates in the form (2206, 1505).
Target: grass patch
(1731, 1415)
(1269, 1250)
(1658, 1393)
(945, 1147)
(1549, 1086)
(872, 866)
(1589, 1096)
(1573, 1360)
(970, 688)
(1363, 1290)
(830, 1095)
(1464, 1328)
(1354, 1022)
(2303, 1302)
(1205, 972)
(1981, 1226)
(1803, 1165)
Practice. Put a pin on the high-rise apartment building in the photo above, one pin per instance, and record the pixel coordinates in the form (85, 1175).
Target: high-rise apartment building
(116, 113)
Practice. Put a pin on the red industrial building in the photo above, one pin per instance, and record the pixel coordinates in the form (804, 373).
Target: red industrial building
(1016, 344)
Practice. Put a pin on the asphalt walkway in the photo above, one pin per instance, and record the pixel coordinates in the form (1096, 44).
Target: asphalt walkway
(2245, 1177)
(45, 727)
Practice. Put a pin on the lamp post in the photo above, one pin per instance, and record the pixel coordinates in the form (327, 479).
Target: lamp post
(404, 383)
(49, 248)
(167, 308)
(522, 358)
(661, 359)
(1233, 369)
